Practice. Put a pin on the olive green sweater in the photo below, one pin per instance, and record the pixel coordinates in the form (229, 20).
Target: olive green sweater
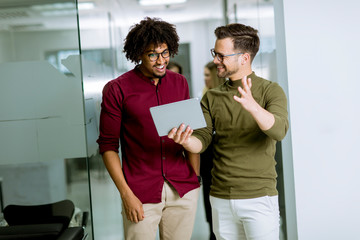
(244, 164)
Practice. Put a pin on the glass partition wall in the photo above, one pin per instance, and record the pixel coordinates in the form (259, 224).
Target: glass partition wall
(43, 157)
(50, 96)
(100, 63)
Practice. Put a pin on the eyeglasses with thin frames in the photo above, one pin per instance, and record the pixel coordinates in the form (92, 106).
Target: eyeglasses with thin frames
(155, 56)
(219, 56)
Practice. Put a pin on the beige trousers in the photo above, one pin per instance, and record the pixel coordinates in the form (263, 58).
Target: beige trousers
(174, 216)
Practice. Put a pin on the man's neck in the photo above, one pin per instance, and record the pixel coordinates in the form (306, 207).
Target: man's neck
(239, 75)
(156, 80)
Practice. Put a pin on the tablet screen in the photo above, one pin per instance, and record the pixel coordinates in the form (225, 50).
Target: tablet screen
(171, 115)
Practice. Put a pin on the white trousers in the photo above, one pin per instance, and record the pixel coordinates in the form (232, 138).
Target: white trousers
(246, 219)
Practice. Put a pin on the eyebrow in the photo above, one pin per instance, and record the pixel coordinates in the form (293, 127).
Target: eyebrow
(153, 51)
(219, 52)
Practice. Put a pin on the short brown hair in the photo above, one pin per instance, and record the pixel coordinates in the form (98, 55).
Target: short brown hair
(150, 31)
(245, 38)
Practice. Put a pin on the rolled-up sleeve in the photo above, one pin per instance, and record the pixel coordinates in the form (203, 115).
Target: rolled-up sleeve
(110, 118)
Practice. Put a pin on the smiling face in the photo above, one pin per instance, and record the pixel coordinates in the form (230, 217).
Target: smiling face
(230, 66)
(154, 69)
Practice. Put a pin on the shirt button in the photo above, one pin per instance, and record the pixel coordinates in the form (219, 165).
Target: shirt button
(164, 158)
(163, 140)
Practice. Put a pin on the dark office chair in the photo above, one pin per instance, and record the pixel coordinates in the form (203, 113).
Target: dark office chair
(41, 222)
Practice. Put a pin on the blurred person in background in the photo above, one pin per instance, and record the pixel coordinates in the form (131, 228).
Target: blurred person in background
(175, 67)
(211, 79)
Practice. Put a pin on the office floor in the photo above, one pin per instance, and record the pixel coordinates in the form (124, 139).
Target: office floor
(106, 208)
(106, 205)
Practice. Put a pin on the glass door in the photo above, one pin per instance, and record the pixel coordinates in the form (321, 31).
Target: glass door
(44, 156)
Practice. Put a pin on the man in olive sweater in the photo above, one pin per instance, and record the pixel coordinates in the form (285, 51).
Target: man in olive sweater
(245, 116)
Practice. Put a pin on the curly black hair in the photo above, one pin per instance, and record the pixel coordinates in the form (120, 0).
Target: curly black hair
(150, 31)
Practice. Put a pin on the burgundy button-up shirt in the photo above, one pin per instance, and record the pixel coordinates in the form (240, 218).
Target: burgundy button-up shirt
(147, 159)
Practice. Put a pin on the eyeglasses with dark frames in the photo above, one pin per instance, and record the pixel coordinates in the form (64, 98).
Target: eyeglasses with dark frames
(219, 56)
(155, 56)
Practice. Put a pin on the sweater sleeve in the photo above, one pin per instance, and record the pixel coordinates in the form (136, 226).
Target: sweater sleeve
(276, 103)
(205, 134)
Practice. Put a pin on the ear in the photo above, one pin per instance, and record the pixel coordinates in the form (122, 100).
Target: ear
(245, 58)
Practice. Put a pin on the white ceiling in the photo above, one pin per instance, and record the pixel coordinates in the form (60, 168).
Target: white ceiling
(20, 15)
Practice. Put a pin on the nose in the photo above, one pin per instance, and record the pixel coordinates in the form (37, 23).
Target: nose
(216, 60)
(160, 59)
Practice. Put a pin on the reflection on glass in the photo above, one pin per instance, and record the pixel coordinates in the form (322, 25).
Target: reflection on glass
(43, 157)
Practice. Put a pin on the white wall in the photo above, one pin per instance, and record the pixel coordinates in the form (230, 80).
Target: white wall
(322, 52)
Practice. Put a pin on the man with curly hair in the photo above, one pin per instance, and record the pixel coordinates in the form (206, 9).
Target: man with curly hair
(157, 179)
(245, 118)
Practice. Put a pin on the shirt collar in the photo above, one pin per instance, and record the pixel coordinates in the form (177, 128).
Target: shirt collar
(238, 83)
(143, 77)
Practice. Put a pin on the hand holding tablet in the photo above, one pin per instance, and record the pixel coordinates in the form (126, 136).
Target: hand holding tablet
(169, 116)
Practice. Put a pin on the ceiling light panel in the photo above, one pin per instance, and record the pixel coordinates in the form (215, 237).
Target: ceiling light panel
(160, 2)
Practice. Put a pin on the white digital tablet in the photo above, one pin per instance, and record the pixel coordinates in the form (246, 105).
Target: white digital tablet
(171, 115)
